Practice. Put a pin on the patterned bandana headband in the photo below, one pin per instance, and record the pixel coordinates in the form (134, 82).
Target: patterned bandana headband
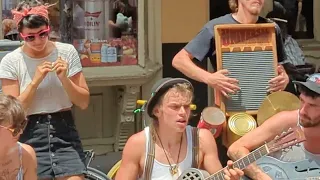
(38, 10)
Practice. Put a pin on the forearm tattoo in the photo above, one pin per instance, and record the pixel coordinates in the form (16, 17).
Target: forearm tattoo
(252, 170)
(237, 155)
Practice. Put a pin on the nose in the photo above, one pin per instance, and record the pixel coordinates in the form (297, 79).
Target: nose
(182, 110)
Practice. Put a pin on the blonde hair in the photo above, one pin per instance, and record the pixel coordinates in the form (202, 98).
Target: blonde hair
(11, 111)
(233, 4)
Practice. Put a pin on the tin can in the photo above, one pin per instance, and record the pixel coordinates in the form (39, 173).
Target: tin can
(94, 19)
(212, 118)
(238, 125)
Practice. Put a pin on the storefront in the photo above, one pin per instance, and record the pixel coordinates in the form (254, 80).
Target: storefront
(119, 43)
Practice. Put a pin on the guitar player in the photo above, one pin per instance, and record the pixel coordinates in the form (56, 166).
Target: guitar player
(169, 146)
(308, 117)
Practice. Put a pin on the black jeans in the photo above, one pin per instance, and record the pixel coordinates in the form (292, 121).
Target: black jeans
(57, 144)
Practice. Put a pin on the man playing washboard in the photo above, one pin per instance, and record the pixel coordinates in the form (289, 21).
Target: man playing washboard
(202, 47)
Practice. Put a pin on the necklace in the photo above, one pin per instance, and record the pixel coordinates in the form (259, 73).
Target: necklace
(173, 169)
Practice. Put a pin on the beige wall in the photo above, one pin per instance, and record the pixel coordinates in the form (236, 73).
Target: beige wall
(182, 19)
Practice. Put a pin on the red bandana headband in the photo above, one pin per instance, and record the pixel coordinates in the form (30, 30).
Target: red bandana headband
(38, 10)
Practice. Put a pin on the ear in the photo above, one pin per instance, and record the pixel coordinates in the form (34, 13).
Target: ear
(156, 111)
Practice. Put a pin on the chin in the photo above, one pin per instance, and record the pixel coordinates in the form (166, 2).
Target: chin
(181, 128)
(308, 124)
(38, 48)
(255, 11)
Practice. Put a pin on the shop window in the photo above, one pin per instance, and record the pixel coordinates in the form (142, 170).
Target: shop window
(8, 25)
(105, 32)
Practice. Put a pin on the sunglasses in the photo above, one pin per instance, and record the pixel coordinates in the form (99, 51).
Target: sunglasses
(42, 34)
(15, 131)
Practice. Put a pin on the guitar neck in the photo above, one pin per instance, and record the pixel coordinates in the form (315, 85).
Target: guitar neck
(243, 162)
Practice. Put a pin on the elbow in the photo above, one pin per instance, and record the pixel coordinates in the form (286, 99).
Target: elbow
(237, 150)
(178, 58)
(232, 150)
(83, 106)
(175, 61)
(85, 103)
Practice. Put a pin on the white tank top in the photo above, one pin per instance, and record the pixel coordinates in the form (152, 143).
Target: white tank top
(161, 171)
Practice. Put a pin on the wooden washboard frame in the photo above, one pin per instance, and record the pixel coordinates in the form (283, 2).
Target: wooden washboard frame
(246, 42)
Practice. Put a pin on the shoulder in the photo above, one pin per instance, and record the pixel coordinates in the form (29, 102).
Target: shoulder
(204, 134)
(226, 19)
(134, 150)
(28, 151)
(206, 139)
(29, 162)
(137, 139)
(13, 56)
(135, 146)
(61, 45)
(68, 52)
(28, 155)
(64, 46)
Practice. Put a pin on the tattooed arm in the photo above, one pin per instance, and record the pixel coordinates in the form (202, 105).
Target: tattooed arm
(257, 137)
(252, 171)
(29, 162)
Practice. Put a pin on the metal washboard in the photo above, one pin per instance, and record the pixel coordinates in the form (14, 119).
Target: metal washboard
(249, 52)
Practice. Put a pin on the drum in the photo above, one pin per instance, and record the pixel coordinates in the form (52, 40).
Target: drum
(212, 118)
